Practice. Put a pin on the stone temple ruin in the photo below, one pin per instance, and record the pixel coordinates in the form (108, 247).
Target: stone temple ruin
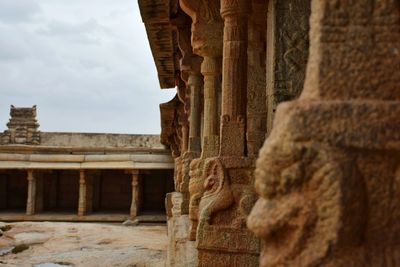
(80, 176)
(285, 130)
(283, 137)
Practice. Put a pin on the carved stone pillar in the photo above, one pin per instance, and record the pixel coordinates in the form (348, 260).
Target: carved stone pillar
(234, 79)
(226, 185)
(31, 200)
(135, 194)
(328, 175)
(184, 115)
(211, 70)
(82, 206)
(195, 84)
(185, 137)
(207, 35)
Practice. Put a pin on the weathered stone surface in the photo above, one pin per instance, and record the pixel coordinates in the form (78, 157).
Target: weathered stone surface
(181, 252)
(134, 222)
(287, 51)
(96, 140)
(328, 174)
(31, 238)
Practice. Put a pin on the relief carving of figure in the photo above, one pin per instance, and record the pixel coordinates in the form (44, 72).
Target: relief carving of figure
(306, 211)
(217, 195)
(196, 191)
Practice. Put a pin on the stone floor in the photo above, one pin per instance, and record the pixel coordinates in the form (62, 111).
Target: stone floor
(82, 244)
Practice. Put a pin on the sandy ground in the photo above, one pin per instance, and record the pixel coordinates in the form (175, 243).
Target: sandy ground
(85, 244)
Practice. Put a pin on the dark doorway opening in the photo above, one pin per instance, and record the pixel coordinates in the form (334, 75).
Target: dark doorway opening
(13, 191)
(155, 184)
(112, 191)
(60, 191)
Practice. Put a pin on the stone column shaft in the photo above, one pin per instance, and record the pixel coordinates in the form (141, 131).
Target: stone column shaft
(234, 79)
(31, 200)
(210, 68)
(195, 84)
(82, 194)
(235, 66)
(185, 138)
(135, 194)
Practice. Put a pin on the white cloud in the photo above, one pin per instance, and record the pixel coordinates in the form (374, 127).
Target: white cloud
(85, 63)
(18, 11)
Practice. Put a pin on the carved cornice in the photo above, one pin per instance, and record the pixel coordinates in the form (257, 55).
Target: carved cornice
(235, 8)
(207, 26)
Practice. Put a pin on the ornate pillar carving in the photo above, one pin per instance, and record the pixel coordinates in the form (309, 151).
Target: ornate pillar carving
(222, 185)
(287, 52)
(135, 194)
(211, 70)
(31, 200)
(207, 31)
(82, 206)
(328, 174)
(195, 84)
(234, 79)
(189, 93)
(184, 116)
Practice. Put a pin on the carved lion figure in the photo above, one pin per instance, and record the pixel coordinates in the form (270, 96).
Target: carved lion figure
(217, 192)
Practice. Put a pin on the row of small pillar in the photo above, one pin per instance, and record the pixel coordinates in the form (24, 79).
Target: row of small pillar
(225, 58)
(82, 204)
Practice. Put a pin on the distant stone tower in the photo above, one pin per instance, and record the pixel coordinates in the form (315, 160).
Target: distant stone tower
(22, 128)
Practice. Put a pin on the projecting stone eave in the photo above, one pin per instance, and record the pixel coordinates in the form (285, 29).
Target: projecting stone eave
(162, 38)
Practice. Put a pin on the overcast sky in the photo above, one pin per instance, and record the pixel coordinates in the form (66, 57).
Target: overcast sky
(86, 64)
